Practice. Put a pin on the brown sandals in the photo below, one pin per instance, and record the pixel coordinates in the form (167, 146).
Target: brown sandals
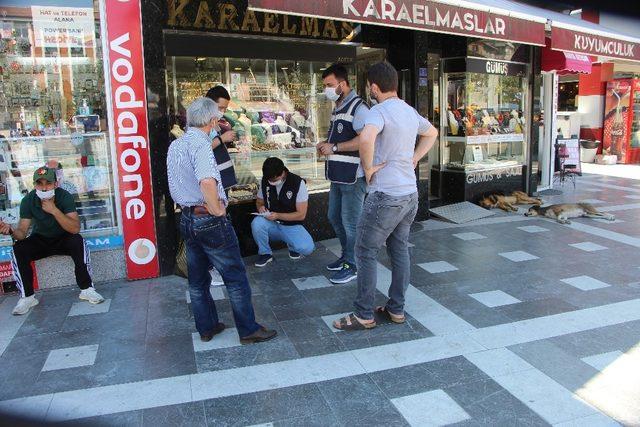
(351, 323)
(387, 315)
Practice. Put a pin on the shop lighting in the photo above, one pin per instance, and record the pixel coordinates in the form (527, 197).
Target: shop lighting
(201, 59)
(575, 12)
(284, 68)
(238, 69)
(365, 48)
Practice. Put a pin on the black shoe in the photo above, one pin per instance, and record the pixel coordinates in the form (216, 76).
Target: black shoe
(215, 331)
(263, 260)
(261, 335)
(294, 255)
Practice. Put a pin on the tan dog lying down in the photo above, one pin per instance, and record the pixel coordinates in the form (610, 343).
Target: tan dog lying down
(563, 212)
(506, 203)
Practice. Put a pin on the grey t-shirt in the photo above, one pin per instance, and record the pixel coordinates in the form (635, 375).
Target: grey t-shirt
(399, 125)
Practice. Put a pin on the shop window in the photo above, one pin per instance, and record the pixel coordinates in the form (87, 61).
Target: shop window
(485, 126)
(277, 108)
(53, 109)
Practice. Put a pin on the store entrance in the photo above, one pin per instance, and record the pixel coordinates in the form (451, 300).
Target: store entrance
(277, 109)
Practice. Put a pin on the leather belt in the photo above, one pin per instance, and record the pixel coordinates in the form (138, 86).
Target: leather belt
(198, 210)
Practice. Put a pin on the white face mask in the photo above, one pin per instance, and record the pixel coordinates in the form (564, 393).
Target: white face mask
(331, 93)
(276, 183)
(44, 195)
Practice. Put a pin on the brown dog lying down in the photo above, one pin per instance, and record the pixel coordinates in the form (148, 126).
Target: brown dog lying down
(563, 212)
(506, 203)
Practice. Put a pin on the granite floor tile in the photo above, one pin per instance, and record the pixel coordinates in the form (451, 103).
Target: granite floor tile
(430, 408)
(307, 329)
(437, 267)
(585, 283)
(602, 360)
(98, 375)
(537, 308)
(169, 356)
(588, 246)
(129, 419)
(84, 308)
(494, 298)
(276, 350)
(72, 357)
(469, 236)
(518, 256)
(318, 420)
(266, 407)
(185, 415)
(357, 401)
(313, 282)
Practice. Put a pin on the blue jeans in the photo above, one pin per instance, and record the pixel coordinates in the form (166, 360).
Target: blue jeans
(345, 207)
(387, 219)
(210, 241)
(296, 237)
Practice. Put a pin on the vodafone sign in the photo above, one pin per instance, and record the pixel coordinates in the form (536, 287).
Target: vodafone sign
(130, 123)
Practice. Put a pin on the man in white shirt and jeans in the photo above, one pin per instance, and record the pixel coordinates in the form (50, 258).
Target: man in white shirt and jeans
(389, 156)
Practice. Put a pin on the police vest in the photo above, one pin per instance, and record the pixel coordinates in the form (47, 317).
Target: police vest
(342, 168)
(285, 202)
(225, 166)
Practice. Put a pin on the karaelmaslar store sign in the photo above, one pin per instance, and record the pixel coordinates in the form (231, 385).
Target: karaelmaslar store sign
(414, 14)
(593, 44)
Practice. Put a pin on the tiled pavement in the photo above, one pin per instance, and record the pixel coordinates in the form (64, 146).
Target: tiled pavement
(511, 321)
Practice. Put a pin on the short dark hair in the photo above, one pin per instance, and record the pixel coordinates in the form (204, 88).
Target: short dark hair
(338, 70)
(273, 167)
(384, 75)
(218, 92)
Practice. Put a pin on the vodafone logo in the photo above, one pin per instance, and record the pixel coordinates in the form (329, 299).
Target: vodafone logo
(131, 136)
(142, 251)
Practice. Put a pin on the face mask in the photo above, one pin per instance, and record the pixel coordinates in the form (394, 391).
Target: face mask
(332, 93)
(276, 183)
(213, 133)
(43, 195)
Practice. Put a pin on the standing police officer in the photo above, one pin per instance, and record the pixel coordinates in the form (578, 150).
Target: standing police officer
(221, 97)
(348, 186)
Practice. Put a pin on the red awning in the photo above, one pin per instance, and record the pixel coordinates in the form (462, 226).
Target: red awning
(564, 62)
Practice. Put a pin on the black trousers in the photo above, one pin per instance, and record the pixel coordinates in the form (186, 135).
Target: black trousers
(36, 247)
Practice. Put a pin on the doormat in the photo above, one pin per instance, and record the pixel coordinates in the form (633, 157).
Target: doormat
(460, 213)
(549, 192)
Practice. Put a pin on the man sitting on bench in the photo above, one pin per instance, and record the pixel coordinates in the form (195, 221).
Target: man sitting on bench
(52, 212)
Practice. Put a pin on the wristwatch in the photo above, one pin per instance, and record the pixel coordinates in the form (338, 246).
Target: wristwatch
(335, 148)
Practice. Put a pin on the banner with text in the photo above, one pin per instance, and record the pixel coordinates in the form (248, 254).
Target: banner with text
(414, 14)
(130, 123)
(593, 44)
(63, 26)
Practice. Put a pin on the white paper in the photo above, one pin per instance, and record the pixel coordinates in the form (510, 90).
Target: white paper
(265, 214)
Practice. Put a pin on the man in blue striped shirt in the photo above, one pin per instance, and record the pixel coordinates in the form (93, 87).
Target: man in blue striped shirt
(195, 184)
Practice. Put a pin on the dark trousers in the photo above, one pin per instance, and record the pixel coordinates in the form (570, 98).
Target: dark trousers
(210, 241)
(36, 247)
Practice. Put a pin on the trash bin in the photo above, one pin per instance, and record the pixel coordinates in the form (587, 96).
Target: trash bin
(588, 150)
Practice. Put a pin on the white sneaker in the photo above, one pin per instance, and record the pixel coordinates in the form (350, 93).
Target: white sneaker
(91, 295)
(24, 305)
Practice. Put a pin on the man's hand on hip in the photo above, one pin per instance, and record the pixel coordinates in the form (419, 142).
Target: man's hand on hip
(368, 173)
